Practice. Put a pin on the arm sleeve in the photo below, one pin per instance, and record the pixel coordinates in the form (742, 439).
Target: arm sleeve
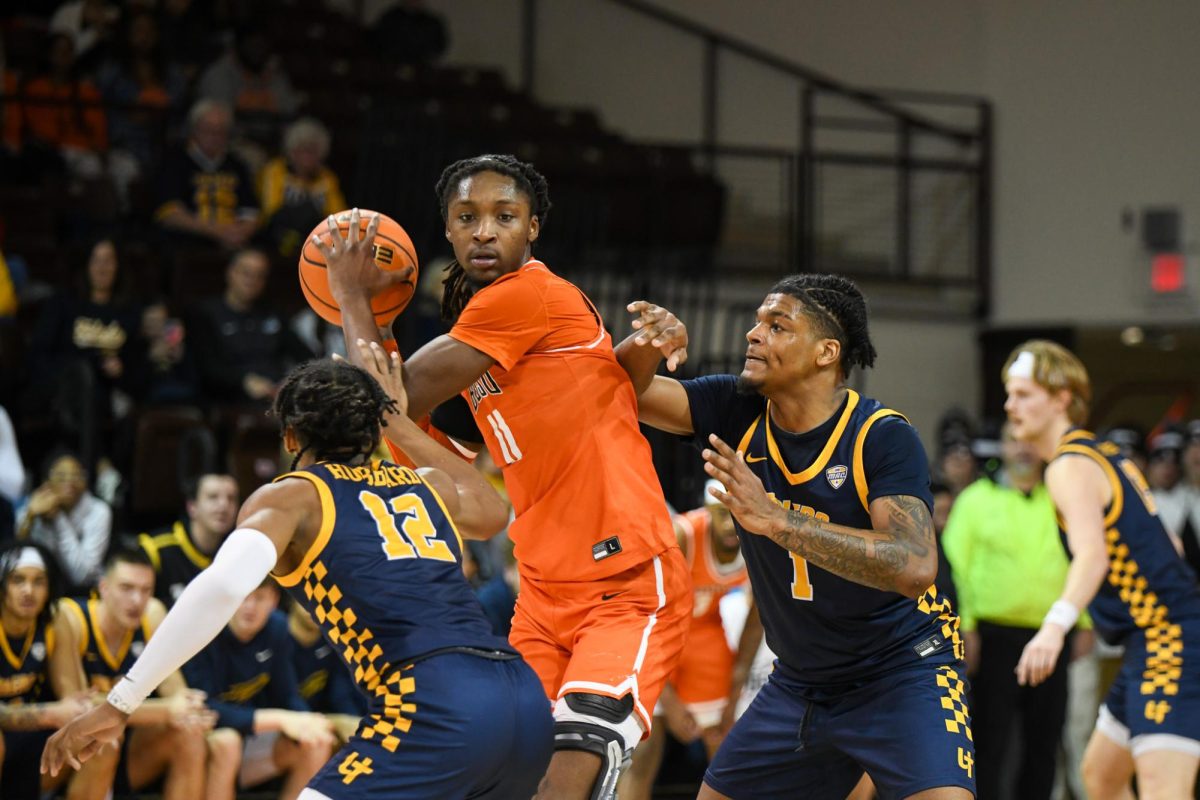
(202, 610)
(504, 320)
(895, 462)
(709, 400)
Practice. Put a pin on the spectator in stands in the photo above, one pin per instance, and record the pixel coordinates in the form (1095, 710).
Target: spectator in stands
(296, 190)
(498, 596)
(89, 338)
(1132, 443)
(956, 464)
(325, 683)
(181, 551)
(172, 376)
(139, 74)
(206, 194)
(89, 23)
(249, 79)
(12, 477)
(242, 344)
(1189, 529)
(58, 117)
(264, 727)
(1003, 546)
(1163, 476)
(74, 524)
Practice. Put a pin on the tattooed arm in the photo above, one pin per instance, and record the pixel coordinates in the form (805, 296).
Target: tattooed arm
(897, 555)
(40, 716)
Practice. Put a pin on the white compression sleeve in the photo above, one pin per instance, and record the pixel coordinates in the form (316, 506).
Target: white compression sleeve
(199, 614)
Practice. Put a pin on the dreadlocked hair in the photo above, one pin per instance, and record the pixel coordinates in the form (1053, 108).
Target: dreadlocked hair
(336, 409)
(11, 554)
(530, 182)
(837, 310)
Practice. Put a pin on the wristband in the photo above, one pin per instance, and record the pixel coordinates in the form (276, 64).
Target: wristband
(1062, 614)
(123, 701)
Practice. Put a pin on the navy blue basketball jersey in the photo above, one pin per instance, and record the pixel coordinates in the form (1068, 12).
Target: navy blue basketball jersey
(103, 667)
(324, 681)
(1149, 586)
(176, 559)
(24, 666)
(383, 579)
(829, 629)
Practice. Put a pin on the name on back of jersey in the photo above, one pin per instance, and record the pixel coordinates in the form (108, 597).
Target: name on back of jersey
(380, 475)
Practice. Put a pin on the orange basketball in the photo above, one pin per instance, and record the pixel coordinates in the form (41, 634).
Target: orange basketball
(393, 250)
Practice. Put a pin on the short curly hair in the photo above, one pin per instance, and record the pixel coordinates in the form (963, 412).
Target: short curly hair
(336, 409)
(530, 183)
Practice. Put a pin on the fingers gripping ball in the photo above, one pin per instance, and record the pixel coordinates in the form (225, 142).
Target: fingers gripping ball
(393, 251)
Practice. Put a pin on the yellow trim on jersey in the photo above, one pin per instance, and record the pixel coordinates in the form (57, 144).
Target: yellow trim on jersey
(74, 607)
(860, 474)
(49, 640)
(445, 513)
(745, 442)
(17, 663)
(1075, 435)
(189, 548)
(114, 662)
(328, 515)
(813, 469)
(147, 543)
(1118, 498)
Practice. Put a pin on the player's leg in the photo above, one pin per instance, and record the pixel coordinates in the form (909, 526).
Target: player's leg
(224, 763)
(298, 762)
(1108, 765)
(865, 790)
(94, 780)
(1165, 773)
(179, 754)
(637, 782)
(633, 629)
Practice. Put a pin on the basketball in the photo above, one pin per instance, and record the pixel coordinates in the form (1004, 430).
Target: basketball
(393, 251)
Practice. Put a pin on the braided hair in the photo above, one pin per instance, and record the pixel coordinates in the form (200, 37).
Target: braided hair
(335, 408)
(530, 183)
(837, 310)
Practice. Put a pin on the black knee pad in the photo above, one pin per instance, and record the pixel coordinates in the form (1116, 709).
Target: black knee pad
(601, 741)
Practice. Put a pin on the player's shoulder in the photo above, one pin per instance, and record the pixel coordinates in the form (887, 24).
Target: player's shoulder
(880, 425)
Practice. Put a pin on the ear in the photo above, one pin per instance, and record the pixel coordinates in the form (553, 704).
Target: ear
(1062, 400)
(291, 442)
(448, 239)
(535, 227)
(829, 352)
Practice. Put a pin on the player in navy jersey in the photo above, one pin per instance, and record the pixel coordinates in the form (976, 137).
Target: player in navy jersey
(830, 493)
(372, 551)
(324, 684)
(1125, 569)
(167, 733)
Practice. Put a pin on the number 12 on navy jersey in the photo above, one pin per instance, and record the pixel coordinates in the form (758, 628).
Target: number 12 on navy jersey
(419, 537)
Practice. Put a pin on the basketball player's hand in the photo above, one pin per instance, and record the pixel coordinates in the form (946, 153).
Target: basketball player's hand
(1040, 656)
(659, 328)
(308, 728)
(744, 494)
(188, 711)
(351, 260)
(386, 368)
(82, 738)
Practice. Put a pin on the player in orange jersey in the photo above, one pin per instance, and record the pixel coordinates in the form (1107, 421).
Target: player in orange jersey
(705, 682)
(604, 603)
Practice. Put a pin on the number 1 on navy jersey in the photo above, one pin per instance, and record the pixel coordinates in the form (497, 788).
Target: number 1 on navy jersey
(801, 587)
(419, 537)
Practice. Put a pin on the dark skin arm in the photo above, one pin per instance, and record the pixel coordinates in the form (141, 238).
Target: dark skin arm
(897, 554)
(433, 374)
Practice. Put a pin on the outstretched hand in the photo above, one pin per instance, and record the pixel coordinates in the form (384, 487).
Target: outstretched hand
(744, 494)
(658, 327)
(350, 261)
(82, 738)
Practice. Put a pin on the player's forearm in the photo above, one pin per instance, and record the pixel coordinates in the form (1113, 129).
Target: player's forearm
(358, 322)
(1084, 578)
(893, 560)
(31, 717)
(639, 361)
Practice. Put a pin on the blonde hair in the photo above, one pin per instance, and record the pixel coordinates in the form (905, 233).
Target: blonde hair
(1056, 368)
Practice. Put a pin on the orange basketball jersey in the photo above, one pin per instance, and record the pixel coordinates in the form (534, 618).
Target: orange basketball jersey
(710, 578)
(559, 416)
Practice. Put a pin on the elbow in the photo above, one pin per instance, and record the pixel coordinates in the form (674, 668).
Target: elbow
(491, 518)
(919, 577)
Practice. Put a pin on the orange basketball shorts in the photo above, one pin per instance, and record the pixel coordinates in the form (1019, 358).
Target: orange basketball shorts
(704, 673)
(616, 636)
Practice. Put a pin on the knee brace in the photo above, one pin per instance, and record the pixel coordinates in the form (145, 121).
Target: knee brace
(601, 741)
